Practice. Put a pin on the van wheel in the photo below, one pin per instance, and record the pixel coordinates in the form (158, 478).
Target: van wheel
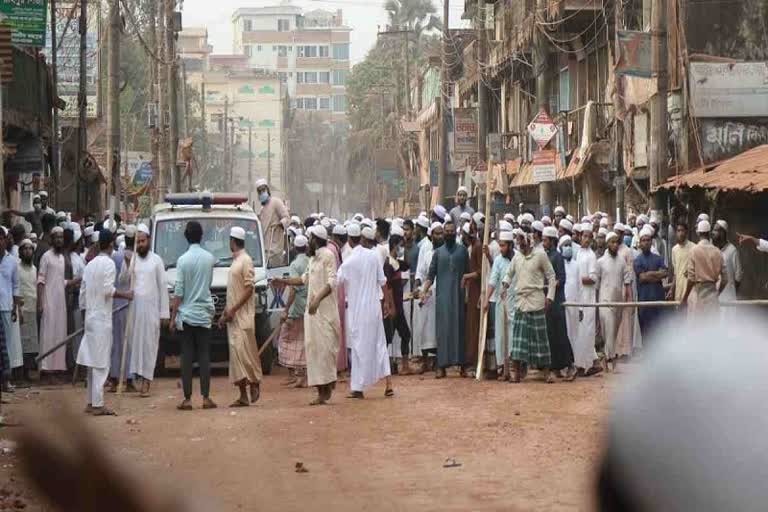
(262, 335)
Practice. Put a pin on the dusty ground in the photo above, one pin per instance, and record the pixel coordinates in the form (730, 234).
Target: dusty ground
(520, 447)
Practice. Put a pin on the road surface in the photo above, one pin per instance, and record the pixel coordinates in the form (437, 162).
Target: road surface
(511, 447)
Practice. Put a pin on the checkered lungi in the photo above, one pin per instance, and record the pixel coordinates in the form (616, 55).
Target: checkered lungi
(290, 345)
(530, 343)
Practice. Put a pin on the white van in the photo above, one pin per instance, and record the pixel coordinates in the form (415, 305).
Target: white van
(217, 214)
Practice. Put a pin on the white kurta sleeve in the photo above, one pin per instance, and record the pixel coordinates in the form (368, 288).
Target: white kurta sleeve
(161, 289)
(108, 285)
(762, 245)
(83, 294)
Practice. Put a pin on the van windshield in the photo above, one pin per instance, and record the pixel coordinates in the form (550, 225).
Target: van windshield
(170, 243)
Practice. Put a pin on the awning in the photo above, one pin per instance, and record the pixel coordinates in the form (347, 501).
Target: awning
(746, 172)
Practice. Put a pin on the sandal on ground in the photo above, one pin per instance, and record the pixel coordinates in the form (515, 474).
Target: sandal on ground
(593, 371)
(356, 394)
(209, 404)
(239, 403)
(102, 411)
(255, 392)
(389, 393)
(185, 406)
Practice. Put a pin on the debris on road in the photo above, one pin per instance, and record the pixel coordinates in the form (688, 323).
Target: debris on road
(300, 468)
(451, 463)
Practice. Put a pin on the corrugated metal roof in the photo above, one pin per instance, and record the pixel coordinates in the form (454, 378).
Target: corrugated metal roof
(747, 172)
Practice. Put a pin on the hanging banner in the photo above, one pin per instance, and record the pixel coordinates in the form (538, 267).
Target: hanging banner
(27, 20)
(465, 130)
(544, 168)
(634, 53)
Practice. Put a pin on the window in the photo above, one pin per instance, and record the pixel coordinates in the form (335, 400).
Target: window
(310, 103)
(283, 25)
(282, 76)
(322, 51)
(274, 48)
(247, 50)
(299, 77)
(324, 77)
(247, 25)
(282, 51)
(307, 51)
(340, 103)
(340, 76)
(341, 51)
(325, 103)
(259, 48)
(310, 77)
(299, 103)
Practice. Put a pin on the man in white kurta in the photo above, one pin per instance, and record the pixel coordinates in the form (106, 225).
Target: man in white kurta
(150, 306)
(732, 266)
(615, 278)
(583, 345)
(52, 304)
(363, 279)
(97, 291)
(424, 330)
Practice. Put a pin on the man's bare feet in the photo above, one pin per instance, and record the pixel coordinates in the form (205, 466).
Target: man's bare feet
(111, 387)
(255, 392)
(209, 404)
(102, 411)
(144, 389)
(356, 395)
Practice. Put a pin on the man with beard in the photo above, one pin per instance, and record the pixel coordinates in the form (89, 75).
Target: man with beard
(732, 265)
(424, 333)
(584, 353)
(239, 318)
(122, 259)
(52, 304)
(274, 218)
(615, 281)
(559, 216)
(462, 194)
(28, 289)
(364, 280)
(681, 252)
(149, 307)
(44, 241)
(472, 284)
(650, 271)
(335, 245)
(450, 263)
(321, 321)
(9, 302)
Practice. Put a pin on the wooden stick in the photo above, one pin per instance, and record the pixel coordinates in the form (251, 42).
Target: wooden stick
(505, 344)
(649, 304)
(128, 326)
(271, 338)
(484, 273)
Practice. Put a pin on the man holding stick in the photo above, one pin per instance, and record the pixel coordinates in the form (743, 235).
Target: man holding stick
(97, 292)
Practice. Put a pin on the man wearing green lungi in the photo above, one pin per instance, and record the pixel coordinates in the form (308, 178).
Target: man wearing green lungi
(534, 273)
(449, 264)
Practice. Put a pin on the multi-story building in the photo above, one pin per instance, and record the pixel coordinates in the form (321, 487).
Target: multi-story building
(194, 50)
(308, 50)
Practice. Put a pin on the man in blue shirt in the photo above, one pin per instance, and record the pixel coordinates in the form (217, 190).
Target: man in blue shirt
(192, 314)
(9, 302)
(651, 271)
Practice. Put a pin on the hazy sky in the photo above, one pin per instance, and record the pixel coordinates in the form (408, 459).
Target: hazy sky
(364, 16)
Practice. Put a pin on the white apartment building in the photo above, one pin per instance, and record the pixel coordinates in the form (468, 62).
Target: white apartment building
(308, 50)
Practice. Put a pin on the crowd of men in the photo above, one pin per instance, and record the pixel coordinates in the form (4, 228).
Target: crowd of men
(368, 297)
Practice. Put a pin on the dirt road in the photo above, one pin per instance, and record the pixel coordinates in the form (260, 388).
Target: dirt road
(516, 447)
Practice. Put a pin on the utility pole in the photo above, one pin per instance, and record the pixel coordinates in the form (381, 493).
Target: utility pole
(113, 105)
(173, 75)
(162, 104)
(269, 160)
(232, 153)
(153, 93)
(250, 163)
(445, 107)
(55, 114)
(204, 125)
(543, 85)
(82, 105)
(185, 105)
(226, 173)
(482, 90)
(659, 127)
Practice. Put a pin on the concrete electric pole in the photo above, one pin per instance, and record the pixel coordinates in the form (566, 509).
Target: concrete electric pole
(659, 127)
(113, 106)
(445, 108)
(173, 106)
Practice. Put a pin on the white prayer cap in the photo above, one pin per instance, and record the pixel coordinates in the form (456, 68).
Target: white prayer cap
(58, 230)
(550, 232)
(340, 230)
(321, 215)
(563, 240)
(586, 219)
(701, 217)
(518, 232)
(43, 193)
(296, 219)
(293, 231)
(505, 226)
(143, 228)
(369, 233)
(602, 232)
(610, 236)
(462, 189)
(399, 221)
(436, 225)
(604, 222)
(440, 211)
(422, 221)
(570, 219)
(537, 225)
(110, 225)
(354, 230)
(566, 225)
(300, 241)
(25, 242)
(325, 223)
(95, 237)
(642, 218)
(237, 232)
(261, 182)
(546, 220)
(120, 241)
(33, 237)
(465, 229)
(130, 231)
(586, 226)
(506, 236)
(649, 231)
(509, 217)
(577, 228)
(465, 216)
(396, 230)
(319, 231)
(619, 227)
(61, 215)
(722, 224)
(35, 197)
(314, 216)
(76, 237)
(703, 227)
(367, 222)
(358, 216)
(478, 217)
(559, 209)
(528, 217)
